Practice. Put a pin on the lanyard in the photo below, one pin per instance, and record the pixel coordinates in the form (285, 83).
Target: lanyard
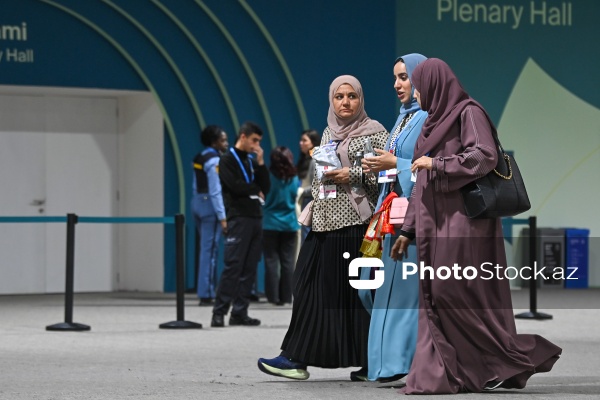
(242, 166)
(404, 124)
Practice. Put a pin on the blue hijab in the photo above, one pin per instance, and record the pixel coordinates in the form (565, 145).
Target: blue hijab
(411, 61)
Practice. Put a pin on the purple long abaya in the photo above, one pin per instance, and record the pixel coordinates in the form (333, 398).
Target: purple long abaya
(467, 335)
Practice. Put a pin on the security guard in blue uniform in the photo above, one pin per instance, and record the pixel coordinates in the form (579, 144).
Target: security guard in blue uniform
(208, 209)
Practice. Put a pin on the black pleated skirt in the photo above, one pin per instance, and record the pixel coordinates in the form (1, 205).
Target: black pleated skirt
(329, 326)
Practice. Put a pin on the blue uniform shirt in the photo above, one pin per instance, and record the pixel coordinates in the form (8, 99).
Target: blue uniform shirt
(211, 167)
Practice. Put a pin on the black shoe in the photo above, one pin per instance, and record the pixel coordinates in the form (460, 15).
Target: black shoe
(491, 385)
(254, 298)
(360, 375)
(218, 321)
(206, 301)
(391, 378)
(245, 321)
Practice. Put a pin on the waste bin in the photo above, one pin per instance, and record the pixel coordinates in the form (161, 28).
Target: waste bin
(550, 256)
(577, 248)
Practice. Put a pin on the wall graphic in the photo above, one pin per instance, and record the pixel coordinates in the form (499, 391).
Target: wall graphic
(530, 64)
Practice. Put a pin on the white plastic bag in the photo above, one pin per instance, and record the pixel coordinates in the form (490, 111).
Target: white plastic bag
(326, 159)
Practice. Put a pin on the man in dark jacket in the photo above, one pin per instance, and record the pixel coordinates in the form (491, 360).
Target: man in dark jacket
(245, 182)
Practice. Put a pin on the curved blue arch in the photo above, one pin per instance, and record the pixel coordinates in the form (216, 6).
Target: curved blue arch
(147, 82)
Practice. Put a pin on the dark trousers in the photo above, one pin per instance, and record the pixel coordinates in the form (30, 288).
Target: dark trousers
(280, 257)
(243, 245)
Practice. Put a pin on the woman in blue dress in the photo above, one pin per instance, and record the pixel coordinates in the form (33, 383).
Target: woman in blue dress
(394, 306)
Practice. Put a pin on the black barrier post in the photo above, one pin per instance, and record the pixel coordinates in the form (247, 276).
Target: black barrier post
(69, 325)
(533, 312)
(179, 260)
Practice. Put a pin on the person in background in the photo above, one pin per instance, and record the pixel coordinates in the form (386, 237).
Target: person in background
(467, 339)
(280, 227)
(395, 305)
(245, 183)
(306, 170)
(330, 326)
(208, 209)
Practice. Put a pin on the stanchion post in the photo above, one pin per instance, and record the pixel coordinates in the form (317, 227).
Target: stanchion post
(532, 262)
(179, 265)
(533, 312)
(180, 323)
(69, 325)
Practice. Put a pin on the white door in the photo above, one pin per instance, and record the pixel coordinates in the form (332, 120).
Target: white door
(66, 163)
(22, 193)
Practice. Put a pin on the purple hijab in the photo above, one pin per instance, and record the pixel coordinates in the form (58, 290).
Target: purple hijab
(444, 98)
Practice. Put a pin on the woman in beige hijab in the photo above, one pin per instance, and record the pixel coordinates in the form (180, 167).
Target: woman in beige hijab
(330, 326)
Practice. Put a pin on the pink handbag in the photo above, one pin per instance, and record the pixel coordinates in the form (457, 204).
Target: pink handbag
(398, 211)
(306, 215)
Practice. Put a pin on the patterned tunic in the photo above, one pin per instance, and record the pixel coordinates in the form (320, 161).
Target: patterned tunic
(332, 214)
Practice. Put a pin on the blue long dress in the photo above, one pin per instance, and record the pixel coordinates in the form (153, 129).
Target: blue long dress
(395, 307)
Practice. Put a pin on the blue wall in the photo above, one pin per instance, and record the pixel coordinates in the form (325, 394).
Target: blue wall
(226, 61)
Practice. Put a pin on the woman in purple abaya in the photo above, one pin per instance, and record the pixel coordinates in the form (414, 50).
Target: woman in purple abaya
(467, 339)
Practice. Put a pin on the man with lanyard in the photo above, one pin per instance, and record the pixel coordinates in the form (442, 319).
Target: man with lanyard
(245, 182)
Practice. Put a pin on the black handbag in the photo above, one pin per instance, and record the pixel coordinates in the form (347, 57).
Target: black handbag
(501, 193)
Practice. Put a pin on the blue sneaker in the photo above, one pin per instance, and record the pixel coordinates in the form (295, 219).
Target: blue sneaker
(283, 367)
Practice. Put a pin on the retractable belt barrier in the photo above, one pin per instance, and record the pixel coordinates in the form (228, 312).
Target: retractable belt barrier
(179, 221)
(508, 223)
(72, 220)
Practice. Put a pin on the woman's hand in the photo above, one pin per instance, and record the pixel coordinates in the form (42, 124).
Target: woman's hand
(383, 161)
(340, 176)
(398, 251)
(423, 162)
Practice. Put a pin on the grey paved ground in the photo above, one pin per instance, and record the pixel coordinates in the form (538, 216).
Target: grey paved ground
(126, 356)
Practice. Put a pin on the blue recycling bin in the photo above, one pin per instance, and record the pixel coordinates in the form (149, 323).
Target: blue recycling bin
(577, 250)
